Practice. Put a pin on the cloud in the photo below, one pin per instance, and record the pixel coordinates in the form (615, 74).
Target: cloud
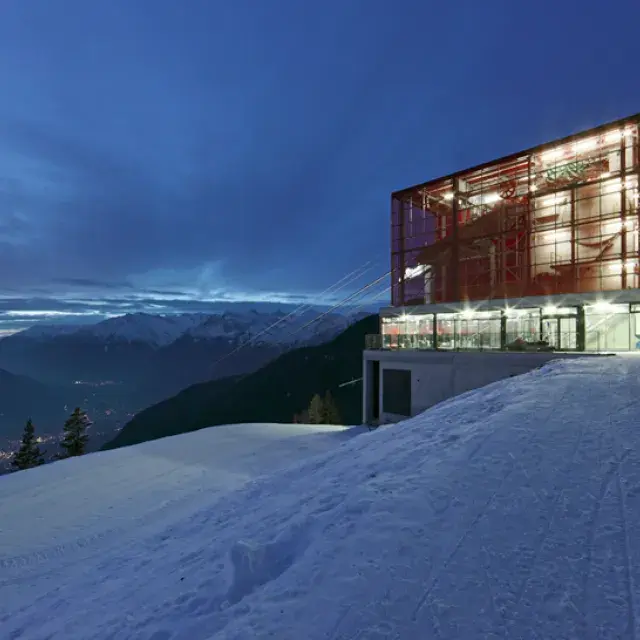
(93, 284)
(20, 313)
(167, 181)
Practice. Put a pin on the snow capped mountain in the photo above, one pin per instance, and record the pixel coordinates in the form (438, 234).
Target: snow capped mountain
(162, 330)
(157, 330)
(273, 328)
(43, 331)
(162, 354)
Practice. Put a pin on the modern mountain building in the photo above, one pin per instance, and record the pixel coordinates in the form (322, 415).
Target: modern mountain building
(536, 252)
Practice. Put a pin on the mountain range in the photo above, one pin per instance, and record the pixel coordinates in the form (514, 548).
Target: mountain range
(120, 366)
(169, 351)
(273, 393)
(276, 327)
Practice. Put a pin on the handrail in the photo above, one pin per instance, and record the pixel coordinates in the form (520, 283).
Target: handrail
(466, 342)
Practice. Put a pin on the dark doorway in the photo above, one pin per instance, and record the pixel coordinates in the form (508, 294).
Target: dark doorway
(375, 390)
(396, 391)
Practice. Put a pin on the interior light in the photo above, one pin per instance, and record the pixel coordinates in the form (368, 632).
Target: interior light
(629, 265)
(533, 187)
(557, 234)
(490, 198)
(550, 309)
(448, 196)
(414, 272)
(612, 136)
(615, 226)
(603, 306)
(612, 186)
(553, 200)
(552, 154)
(468, 313)
(585, 145)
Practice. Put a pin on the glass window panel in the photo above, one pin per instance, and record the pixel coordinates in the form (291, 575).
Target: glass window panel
(445, 330)
(523, 328)
(635, 330)
(608, 330)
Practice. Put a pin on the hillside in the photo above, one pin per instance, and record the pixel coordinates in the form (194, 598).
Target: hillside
(274, 393)
(153, 357)
(507, 512)
(22, 398)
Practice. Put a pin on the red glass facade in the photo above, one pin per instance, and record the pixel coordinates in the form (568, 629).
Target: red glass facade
(557, 219)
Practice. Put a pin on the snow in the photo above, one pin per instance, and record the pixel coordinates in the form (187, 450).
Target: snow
(511, 511)
(275, 328)
(157, 330)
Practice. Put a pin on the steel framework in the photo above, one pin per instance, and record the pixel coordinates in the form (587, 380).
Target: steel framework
(556, 219)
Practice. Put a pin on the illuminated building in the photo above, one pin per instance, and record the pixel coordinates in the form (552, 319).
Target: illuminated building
(535, 252)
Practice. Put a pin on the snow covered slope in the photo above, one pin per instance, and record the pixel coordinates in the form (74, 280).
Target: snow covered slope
(512, 511)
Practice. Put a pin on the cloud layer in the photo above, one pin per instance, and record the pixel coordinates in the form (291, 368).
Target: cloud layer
(190, 153)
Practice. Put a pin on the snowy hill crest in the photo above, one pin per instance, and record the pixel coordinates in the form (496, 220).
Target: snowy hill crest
(508, 512)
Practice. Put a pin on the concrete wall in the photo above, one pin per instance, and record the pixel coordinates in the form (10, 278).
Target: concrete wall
(439, 375)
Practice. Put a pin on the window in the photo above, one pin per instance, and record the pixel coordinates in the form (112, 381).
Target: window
(608, 327)
(523, 327)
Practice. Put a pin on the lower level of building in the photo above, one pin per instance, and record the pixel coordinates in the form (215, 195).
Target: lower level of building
(429, 353)
(400, 384)
(584, 323)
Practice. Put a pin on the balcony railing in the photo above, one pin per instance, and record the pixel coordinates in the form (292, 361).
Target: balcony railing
(566, 341)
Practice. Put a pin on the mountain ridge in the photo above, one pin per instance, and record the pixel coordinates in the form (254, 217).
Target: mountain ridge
(275, 392)
(119, 366)
(161, 330)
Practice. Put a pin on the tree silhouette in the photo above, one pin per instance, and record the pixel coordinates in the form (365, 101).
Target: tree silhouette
(75, 437)
(28, 455)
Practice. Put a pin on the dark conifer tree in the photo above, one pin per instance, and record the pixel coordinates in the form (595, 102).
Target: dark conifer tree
(316, 410)
(75, 437)
(28, 455)
(330, 410)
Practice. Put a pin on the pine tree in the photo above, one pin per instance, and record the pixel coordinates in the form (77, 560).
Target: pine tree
(75, 437)
(331, 413)
(316, 410)
(301, 418)
(28, 455)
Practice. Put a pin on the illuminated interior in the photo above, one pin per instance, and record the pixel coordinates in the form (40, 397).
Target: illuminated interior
(558, 219)
(598, 327)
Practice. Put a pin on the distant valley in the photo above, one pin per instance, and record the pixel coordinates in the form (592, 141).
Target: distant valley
(274, 393)
(118, 367)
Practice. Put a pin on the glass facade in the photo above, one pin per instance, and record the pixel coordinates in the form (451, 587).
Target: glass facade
(559, 219)
(601, 327)
(557, 222)
(612, 327)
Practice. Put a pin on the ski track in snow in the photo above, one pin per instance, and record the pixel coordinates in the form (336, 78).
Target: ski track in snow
(512, 511)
